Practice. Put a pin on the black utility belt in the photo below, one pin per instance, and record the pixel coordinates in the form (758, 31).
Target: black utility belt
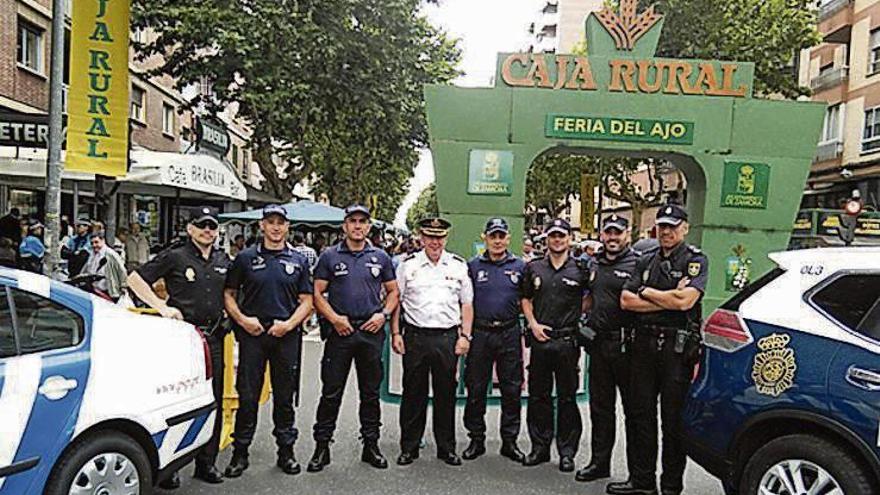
(660, 332)
(613, 335)
(495, 325)
(414, 330)
(561, 333)
(211, 328)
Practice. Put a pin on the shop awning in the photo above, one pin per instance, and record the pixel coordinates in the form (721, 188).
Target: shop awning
(195, 172)
(301, 213)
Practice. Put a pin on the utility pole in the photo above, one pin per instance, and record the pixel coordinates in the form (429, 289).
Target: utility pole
(54, 167)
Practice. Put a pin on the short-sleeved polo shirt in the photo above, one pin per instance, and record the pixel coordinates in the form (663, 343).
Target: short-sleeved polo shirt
(355, 279)
(496, 286)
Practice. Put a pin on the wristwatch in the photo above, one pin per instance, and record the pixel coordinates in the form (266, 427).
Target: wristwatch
(386, 314)
(641, 291)
(466, 336)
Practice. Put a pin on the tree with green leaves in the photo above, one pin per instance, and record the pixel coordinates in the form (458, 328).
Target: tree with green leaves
(424, 207)
(332, 89)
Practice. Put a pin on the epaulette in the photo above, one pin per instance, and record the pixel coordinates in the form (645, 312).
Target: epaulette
(458, 258)
(409, 256)
(535, 259)
(694, 249)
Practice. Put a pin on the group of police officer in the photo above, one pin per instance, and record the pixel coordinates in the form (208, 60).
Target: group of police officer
(642, 334)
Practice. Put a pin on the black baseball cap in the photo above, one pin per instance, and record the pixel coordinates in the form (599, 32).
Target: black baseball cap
(671, 214)
(205, 213)
(356, 208)
(558, 225)
(615, 221)
(270, 210)
(496, 225)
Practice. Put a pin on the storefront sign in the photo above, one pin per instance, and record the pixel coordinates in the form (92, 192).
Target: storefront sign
(99, 101)
(24, 130)
(212, 135)
(490, 172)
(619, 129)
(745, 185)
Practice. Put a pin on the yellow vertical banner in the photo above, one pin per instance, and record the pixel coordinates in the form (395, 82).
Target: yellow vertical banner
(97, 130)
(588, 202)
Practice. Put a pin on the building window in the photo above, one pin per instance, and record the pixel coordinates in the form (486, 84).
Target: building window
(30, 46)
(871, 136)
(138, 97)
(137, 35)
(168, 119)
(874, 58)
(831, 127)
(235, 155)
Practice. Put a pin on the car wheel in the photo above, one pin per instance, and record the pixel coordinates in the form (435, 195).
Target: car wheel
(802, 464)
(106, 463)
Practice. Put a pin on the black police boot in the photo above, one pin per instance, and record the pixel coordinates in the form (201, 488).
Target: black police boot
(450, 458)
(566, 464)
(536, 457)
(320, 458)
(476, 448)
(237, 465)
(511, 451)
(407, 458)
(593, 472)
(171, 483)
(629, 487)
(373, 456)
(208, 473)
(287, 461)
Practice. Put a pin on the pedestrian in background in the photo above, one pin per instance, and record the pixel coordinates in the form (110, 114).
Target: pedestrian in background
(276, 297)
(137, 247)
(31, 251)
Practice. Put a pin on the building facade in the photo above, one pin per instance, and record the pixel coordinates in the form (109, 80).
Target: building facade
(844, 72)
(163, 134)
(559, 26)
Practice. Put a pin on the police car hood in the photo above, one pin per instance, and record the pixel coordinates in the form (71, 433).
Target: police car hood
(145, 368)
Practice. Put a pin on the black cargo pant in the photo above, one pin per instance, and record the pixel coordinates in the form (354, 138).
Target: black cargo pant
(609, 372)
(429, 353)
(657, 370)
(503, 349)
(558, 359)
(208, 455)
(282, 354)
(365, 349)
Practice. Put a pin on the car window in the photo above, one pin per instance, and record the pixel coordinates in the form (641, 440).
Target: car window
(7, 338)
(43, 325)
(853, 301)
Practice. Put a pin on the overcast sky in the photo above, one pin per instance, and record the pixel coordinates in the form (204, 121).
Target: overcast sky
(484, 28)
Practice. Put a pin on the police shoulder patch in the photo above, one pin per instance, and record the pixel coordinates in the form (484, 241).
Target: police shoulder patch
(694, 268)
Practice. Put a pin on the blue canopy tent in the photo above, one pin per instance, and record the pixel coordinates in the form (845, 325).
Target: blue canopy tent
(303, 213)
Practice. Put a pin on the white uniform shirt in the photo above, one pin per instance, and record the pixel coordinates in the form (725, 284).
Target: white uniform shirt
(431, 295)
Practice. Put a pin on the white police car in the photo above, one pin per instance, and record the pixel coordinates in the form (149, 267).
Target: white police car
(94, 399)
(787, 397)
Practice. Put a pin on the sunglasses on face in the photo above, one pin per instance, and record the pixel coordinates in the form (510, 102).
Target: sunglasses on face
(205, 224)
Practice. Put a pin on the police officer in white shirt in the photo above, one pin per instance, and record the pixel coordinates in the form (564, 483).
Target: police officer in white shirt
(436, 299)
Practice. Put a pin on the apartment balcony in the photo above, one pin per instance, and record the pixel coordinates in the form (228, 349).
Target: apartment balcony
(829, 8)
(830, 79)
(828, 151)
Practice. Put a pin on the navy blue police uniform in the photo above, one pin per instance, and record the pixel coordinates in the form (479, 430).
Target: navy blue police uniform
(354, 290)
(663, 356)
(609, 369)
(269, 283)
(195, 287)
(497, 341)
(556, 295)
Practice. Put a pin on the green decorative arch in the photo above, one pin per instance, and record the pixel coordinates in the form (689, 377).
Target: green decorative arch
(746, 160)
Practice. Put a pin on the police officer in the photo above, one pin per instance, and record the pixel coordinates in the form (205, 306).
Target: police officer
(614, 264)
(354, 274)
(436, 299)
(666, 293)
(276, 297)
(194, 275)
(552, 300)
(496, 276)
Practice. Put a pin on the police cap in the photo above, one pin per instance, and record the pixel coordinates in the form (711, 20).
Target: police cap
(615, 221)
(356, 208)
(671, 214)
(270, 210)
(558, 225)
(204, 214)
(434, 227)
(496, 225)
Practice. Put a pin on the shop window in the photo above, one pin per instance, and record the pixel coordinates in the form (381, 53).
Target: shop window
(168, 119)
(138, 105)
(871, 135)
(30, 46)
(831, 127)
(874, 57)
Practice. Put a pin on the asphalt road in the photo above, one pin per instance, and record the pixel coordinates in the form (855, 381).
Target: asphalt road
(490, 474)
